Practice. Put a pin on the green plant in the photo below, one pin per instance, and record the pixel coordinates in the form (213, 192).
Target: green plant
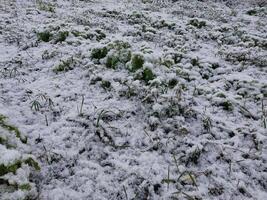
(64, 66)
(251, 12)
(99, 53)
(45, 6)
(11, 128)
(172, 83)
(45, 36)
(147, 75)
(112, 62)
(106, 84)
(10, 180)
(195, 62)
(137, 62)
(196, 23)
(226, 105)
(62, 36)
(35, 105)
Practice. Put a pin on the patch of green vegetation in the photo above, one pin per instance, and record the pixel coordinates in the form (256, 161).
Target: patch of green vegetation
(12, 168)
(106, 85)
(112, 62)
(196, 23)
(76, 33)
(168, 62)
(64, 66)
(99, 35)
(45, 36)
(2, 140)
(137, 62)
(48, 7)
(62, 36)
(221, 95)
(99, 53)
(172, 83)
(118, 53)
(25, 186)
(32, 163)
(226, 105)
(146, 75)
(195, 62)
(215, 65)
(119, 45)
(164, 24)
(251, 12)
(11, 128)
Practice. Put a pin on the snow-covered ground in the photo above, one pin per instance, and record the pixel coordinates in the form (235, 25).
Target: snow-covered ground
(124, 99)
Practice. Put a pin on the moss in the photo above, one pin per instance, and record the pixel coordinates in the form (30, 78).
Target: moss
(62, 36)
(137, 62)
(99, 53)
(11, 128)
(45, 36)
(25, 186)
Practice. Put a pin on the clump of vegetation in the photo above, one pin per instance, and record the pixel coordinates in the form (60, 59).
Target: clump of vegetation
(65, 65)
(195, 62)
(62, 36)
(11, 129)
(226, 105)
(45, 36)
(196, 23)
(172, 83)
(45, 6)
(99, 53)
(106, 85)
(252, 12)
(112, 61)
(119, 53)
(137, 62)
(11, 146)
(146, 75)
(99, 35)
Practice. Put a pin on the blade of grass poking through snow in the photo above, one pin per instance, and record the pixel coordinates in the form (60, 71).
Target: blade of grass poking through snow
(80, 110)
(101, 114)
(264, 115)
(125, 192)
(176, 163)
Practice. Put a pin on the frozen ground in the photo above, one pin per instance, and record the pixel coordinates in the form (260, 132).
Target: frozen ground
(123, 99)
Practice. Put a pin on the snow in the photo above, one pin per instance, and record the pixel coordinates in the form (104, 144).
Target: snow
(125, 140)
